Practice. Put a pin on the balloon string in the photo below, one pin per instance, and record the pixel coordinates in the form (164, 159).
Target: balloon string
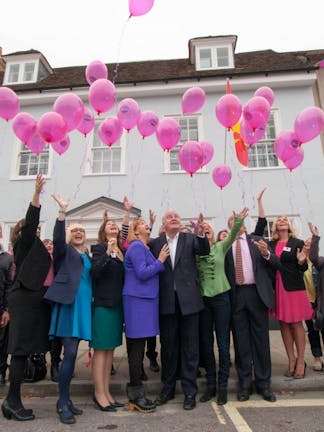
(116, 70)
(310, 215)
(221, 193)
(82, 166)
(289, 187)
(135, 170)
(109, 185)
(165, 200)
(4, 137)
(238, 174)
(225, 146)
(195, 196)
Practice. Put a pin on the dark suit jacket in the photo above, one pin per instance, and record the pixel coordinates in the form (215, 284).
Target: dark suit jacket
(183, 277)
(6, 275)
(262, 272)
(68, 267)
(292, 273)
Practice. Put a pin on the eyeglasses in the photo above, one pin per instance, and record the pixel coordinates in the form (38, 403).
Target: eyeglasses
(75, 230)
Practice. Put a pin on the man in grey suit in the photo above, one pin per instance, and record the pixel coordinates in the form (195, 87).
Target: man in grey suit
(180, 304)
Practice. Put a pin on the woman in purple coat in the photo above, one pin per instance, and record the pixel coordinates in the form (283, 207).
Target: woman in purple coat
(141, 306)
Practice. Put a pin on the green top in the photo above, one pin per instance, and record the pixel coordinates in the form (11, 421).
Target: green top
(211, 268)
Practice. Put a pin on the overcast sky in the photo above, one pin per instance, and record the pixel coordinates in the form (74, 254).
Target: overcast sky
(75, 32)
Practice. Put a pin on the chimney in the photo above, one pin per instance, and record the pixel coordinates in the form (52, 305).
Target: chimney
(2, 63)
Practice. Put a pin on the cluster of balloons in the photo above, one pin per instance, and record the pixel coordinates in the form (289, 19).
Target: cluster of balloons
(308, 125)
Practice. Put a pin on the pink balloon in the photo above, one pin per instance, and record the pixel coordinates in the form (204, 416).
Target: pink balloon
(249, 135)
(256, 112)
(61, 146)
(110, 130)
(128, 113)
(286, 145)
(9, 103)
(228, 110)
(267, 93)
(191, 156)
(24, 126)
(168, 133)
(87, 123)
(102, 95)
(71, 108)
(52, 127)
(96, 70)
(295, 160)
(147, 123)
(222, 175)
(193, 100)
(36, 144)
(309, 124)
(139, 7)
(208, 151)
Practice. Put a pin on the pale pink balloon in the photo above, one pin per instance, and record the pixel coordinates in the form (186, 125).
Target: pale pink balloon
(36, 144)
(309, 124)
(193, 100)
(102, 95)
(228, 110)
(168, 133)
(139, 7)
(24, 126)
(267, 93)
(147, 123)
(128, 113)
(110, 130)
(96, 70)
(87, 123)
(191, 156)
(222, 175)
(286, 144)
(295, 160)
(9, 103)
(256, 112)
(52, 127)
(61, 146)
(71, 108)
(208, 151)
(249, 135)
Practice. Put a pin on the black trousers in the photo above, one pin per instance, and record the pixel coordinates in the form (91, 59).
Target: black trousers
(4, 332)
(151, 353)
(179, 336)
(135, 353)
(55, 350)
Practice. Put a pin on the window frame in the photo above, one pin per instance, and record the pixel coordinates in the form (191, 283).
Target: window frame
(21, 71)
(214, 57)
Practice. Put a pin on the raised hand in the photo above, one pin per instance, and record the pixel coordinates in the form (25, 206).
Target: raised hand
(260, 194)
(39, 183)
(63, 204)
(164, 253)
(152, 217)
(313, 229)
(262, 246)
(199, 225)
(127, 204)
(243, 213)
(105, 215)
(301, 255)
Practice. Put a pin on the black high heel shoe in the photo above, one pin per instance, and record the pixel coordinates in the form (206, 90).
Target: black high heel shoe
(20, 414)
(108, 408)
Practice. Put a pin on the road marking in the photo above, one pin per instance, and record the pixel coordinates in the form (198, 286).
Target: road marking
(238, 421)
(220, 417)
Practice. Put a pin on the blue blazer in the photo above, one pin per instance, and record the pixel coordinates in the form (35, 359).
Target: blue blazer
(68, 267)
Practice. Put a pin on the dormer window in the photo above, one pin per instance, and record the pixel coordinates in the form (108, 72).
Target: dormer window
(213, 58)
(21, 73)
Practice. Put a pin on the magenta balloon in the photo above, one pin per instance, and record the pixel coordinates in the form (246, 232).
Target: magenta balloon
(102, 95)
(168, 133)
(128, 113)
(147, 123)
(309, 124)
(96, 70)
(286, 144)
(61, 146)
(36, 144)
(256, 112)
(191, 156)
(295, 160)
(249, 135)
(24, 126)
(52, 127)
(267, 93)
(208, 151)
(139, 7)
(193, 100)
(9, 103)
(71, 108)
(110, 130)
(87, 123)
(221, 175)
(228, 110)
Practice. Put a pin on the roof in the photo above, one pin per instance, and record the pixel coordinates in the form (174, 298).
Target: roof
(106, 201)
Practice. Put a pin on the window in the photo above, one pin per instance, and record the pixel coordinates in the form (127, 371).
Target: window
(189, 131)
(29, 164)
(205, 58)
(22, 72)
(104, 159)
(13, 73)
(214, 58)
(29, 69)
(261, 154)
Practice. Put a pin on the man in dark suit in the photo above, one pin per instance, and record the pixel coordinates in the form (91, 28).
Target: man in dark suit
(180, 304)
(249, 274)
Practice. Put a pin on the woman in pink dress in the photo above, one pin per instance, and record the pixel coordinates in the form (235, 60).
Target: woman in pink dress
(292, 304)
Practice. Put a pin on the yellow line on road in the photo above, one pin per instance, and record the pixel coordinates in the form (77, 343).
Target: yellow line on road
(220, 417)
(281, 403)
(238, 421)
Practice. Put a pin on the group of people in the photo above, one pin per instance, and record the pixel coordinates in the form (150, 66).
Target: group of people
(182, 286)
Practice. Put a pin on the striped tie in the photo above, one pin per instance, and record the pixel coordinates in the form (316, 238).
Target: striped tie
(239, 275)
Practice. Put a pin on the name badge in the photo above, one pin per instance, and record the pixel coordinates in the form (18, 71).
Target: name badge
(287, 249)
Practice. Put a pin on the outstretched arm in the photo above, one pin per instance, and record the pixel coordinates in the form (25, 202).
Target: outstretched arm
(262, 221)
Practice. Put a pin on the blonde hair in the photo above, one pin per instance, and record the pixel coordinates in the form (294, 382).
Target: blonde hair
(132, 228)
(68, 235)
(275, 233)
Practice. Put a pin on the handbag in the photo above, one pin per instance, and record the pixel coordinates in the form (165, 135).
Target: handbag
(35, 369)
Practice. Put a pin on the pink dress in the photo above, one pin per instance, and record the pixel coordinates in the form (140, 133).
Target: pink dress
(291, 306)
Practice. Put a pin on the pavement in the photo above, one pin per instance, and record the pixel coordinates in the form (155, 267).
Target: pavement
(82, 382)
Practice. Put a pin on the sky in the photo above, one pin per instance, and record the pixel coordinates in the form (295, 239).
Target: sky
(76, 32)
